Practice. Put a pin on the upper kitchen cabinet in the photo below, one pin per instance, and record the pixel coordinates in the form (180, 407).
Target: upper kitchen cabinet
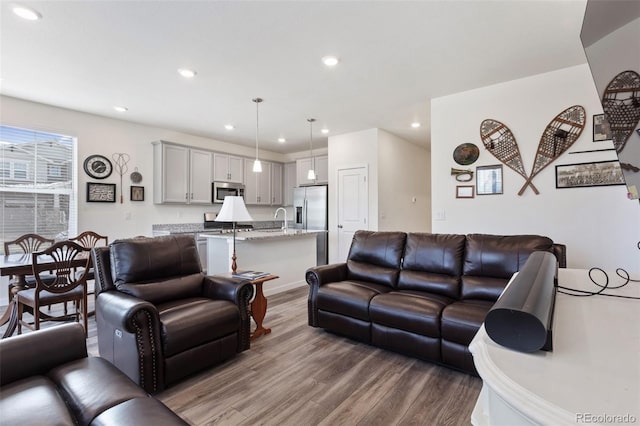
(289, 183)
(228, 168)
(181, 174)
(257, 186)
(276, 184)
(320, 165)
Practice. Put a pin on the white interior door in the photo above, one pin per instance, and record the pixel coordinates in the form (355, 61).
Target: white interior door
(353, 206)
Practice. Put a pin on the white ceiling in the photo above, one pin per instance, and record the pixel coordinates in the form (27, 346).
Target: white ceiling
(395, 56)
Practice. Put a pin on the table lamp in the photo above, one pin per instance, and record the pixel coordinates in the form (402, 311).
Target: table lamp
(233, 210)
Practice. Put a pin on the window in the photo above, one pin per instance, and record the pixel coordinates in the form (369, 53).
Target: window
(14, 170)
(36, 184)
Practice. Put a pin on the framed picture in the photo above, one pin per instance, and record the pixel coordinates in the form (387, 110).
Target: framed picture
(601, 128)
(101, 192)
(465, 191)
(489, 180)
(137, 193)
(600, 173)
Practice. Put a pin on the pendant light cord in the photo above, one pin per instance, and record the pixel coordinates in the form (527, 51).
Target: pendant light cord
(310, 138)
(311, 120)
(257, 101)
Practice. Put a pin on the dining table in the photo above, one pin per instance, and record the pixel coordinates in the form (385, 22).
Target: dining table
(20, 265)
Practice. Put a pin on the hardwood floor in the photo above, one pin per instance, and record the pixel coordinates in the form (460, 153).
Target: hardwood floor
(299, 375)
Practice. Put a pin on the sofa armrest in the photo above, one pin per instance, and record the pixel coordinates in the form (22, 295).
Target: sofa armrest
(121, 310)
(129, 337)
(62, 344)
(317, 277)
(238, 291)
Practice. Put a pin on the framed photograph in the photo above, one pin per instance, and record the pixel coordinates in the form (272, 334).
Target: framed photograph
(600, 173)
(101, 192)
(137, 193)
(601, 128)
(489, 180)
(465, 191)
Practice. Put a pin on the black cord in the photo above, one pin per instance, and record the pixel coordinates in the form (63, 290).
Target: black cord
(585, 293)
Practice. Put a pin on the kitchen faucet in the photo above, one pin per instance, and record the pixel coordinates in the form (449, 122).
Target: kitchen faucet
(284, 222)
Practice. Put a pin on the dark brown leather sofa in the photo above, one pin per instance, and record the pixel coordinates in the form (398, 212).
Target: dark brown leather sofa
(423, 295)
(159, 318)
(46, 378)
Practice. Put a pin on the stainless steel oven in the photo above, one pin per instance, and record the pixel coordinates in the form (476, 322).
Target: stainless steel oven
(219, 190)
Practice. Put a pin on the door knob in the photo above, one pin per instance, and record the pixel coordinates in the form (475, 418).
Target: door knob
(340, 226)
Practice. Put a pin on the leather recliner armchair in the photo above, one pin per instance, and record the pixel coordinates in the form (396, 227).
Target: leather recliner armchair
(159, 318)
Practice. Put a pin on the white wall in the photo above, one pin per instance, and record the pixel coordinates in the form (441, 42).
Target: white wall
(599, 225)
(100, 135)
(397, 171)
(348, 150)
(403, 175)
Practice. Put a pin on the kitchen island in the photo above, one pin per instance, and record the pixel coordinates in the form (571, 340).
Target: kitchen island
(287, 254)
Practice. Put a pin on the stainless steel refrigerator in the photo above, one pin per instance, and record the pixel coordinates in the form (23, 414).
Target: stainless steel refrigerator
(310, 213)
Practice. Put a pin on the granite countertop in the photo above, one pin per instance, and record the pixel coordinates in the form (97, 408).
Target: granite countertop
(194, 228)
(265, 234)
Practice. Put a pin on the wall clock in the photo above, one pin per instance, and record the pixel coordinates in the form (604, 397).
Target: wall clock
(98, 166)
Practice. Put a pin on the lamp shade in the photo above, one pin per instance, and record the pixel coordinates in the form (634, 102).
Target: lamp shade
(233, 210)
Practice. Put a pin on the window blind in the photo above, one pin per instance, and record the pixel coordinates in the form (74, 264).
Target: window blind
(36, 184)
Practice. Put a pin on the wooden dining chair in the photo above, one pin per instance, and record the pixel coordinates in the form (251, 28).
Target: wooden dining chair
(90, 239)
(27, 243)
(61, 259)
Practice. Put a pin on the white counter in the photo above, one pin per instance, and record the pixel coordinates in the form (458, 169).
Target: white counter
(593, 371)
(286, 254)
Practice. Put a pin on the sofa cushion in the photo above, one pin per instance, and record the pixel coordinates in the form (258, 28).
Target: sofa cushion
(91, 386)
(149, 259)
(432, 263)
(437, 253)
(413, 311)
(500, 256)
(192, 322)
(144, 409)
(461, 320)
(376, 256)
(405, 342)
(164, 290)
(349, 298)
(33, 401)
(497, 257)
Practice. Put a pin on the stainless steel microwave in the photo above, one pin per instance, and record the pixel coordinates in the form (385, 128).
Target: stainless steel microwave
(219, 190)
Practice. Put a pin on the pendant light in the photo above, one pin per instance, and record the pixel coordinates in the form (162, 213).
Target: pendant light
(257, 165)
(311, 175)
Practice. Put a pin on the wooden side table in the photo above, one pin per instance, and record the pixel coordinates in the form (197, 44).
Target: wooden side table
(259, 306)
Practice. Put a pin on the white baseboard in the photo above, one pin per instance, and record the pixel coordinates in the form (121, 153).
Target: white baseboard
(275, 288)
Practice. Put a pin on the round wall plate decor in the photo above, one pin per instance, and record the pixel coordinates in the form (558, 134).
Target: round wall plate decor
(136, 177)
(98, 166)
(466, 153)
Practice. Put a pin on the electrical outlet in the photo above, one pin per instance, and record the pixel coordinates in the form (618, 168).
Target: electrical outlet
(439, 214)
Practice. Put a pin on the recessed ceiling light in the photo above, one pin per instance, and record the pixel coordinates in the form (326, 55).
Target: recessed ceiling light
(187, 73)
(282, 140)
(27, 13)
(324, 131)
(229, 126)
(121, 108)
(330, 61)
(415, 125)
